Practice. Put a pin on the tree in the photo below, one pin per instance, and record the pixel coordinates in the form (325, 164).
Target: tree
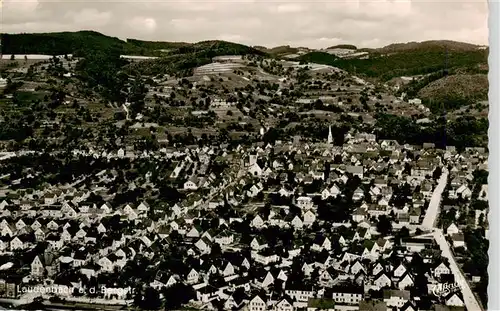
(404, 232)
(151, 299)
(101, 71)
(216, 251)
(437, 173)
(337, 159)
(384, 225)
(177, 295)
(137, 95)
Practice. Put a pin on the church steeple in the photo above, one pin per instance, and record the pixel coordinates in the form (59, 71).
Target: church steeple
(330, 136)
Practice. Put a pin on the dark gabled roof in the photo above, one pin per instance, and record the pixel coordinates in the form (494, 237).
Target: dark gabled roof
(459, 294)
(438, 262)
(240, 281)
(319, 239)
(407, 306)
(52, 237)
(348, 287)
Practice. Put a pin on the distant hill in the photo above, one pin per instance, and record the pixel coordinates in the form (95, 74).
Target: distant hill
(407, 59)
(59, 43)
(181, 57)
(218, 48)
(278, 50)
(185, 58)
(157, 45)
(433, 45)
(343, 46)
(395, 60)
(319, 58)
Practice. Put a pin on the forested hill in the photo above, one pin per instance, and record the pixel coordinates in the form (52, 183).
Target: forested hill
(408, 59)
(436, 45)
(395, 60)
(60, 43)
(157, 45)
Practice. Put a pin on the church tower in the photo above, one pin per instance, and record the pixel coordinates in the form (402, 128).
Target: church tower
(330, 136)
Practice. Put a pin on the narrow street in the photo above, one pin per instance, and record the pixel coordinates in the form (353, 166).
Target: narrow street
(221, 191)
(429, 223)
(469, 298)
(433, 210)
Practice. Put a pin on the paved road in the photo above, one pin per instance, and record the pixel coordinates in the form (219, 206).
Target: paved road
(469, 298)
(429, 223)
(433, 209)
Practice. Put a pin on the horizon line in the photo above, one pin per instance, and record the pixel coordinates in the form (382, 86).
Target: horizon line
(250, 45)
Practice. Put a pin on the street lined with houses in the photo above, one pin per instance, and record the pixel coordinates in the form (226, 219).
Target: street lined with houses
(429, 223)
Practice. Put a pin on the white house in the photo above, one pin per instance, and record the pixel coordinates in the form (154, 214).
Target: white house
(400, 271)
(334, 191)
(454, 300)
(37, 268)
(345, 296)
(195, 232)
(452, 229)
(325, 194)
(381, 281)
(300, 294)
(105, 264)
(377, 268)
(204, 245)
(396, 298)
(268, 280)
(309, 218)
(297, 222)
(257, 304)
(257, 222)
(284, 305)
(415, 101)
(224, 238)
(258, 243)
(405, 281)
(441, 269)
(255, 170)
(464, 191)
(229, 270)
(305, 202)
(191, 184)
(322, 244)
(16, 244)
(192, 277)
